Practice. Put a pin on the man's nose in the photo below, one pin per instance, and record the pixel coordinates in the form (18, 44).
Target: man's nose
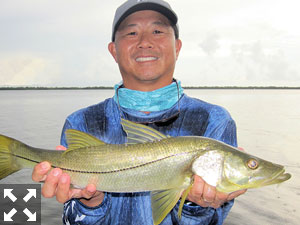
(145, 41)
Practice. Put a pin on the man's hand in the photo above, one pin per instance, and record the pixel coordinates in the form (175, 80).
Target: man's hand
(206, 195)
(58, 183)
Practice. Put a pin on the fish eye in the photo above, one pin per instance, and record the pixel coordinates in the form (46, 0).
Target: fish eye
(252, 164)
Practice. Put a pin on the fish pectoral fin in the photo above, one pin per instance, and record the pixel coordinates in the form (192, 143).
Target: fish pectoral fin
(138, 133)
(77, 139)
(162, 202)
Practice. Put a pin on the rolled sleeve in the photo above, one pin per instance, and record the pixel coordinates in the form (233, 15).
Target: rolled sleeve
(75, 212)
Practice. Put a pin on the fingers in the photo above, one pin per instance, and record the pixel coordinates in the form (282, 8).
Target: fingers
(51, 182)
(209, 196)
(58, 183)
(63, 188)
(209, 193)
(197, 189)
(40, 171)
(219, 200)
(236, 194)
(206, 195)
(60, 147)
(241, 148)
(92, 198)
(201, 194)
(88, 192)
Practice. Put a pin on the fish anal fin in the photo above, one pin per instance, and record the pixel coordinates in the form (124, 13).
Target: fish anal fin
(77, 139)
(163, 202)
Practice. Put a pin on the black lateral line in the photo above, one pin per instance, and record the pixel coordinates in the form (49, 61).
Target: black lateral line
(103, 172)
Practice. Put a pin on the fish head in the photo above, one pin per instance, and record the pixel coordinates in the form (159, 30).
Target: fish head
(243, 171)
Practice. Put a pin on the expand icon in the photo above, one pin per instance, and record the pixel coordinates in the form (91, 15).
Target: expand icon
(22, 204)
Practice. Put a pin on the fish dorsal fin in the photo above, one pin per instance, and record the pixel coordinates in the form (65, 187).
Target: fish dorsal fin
(138, 133)
(77, 139)
(162, 202)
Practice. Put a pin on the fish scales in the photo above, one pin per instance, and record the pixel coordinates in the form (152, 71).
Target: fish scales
(131, 168)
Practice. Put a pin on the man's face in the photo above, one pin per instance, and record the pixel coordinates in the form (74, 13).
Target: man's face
(146, 50)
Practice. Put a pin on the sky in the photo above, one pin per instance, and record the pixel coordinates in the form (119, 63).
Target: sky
(63, 43)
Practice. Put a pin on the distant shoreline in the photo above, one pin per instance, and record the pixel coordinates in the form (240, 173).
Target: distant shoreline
(110, 88)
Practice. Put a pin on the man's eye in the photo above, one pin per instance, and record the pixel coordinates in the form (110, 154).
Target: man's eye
(131, 33)
(157, 32)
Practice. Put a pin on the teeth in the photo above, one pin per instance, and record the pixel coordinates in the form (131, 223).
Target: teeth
(145, 59)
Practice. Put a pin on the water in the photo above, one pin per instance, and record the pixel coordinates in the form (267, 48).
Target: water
(268, 124)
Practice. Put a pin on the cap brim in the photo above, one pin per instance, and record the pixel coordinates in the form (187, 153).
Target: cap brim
(147, 6)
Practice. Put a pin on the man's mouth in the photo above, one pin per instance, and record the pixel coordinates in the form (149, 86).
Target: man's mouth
(145, 59)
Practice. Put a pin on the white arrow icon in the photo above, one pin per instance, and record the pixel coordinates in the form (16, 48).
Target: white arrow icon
(31, 216)
(31, 193)
(7, 193)
(8, 216)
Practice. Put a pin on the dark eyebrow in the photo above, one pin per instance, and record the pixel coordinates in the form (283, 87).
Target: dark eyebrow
(122, 27)
(160, 23)
(131, 25)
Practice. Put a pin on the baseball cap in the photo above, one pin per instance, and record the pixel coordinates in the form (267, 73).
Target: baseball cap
(132, 6)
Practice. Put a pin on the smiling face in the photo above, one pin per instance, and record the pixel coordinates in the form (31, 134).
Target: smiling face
(146, 50)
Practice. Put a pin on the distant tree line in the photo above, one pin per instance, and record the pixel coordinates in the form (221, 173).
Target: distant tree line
(105, 87)
(240, 87)
(53, 88)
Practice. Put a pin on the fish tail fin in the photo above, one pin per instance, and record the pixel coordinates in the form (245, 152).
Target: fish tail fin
(7, 159)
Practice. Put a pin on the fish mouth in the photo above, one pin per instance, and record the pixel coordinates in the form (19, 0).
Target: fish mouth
(279, 177)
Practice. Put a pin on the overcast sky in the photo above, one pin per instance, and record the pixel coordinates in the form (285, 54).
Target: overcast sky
(225, 42)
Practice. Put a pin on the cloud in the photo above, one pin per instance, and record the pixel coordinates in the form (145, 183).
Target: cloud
(26, 70)
(64, 43)
(210, 44)
(263, 63)
(102, 71)
(247, 64)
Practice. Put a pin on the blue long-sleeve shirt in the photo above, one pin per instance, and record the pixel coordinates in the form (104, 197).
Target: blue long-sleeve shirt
(102, 120)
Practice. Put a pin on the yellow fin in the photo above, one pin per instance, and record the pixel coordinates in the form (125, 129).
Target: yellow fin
(77, 139)
(183, 197)
(163, 202)
(138, 133)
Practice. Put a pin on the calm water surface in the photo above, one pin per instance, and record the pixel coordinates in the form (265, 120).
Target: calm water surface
(268, 124)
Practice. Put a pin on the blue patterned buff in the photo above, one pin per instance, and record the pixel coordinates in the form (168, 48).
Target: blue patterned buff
(152, 101)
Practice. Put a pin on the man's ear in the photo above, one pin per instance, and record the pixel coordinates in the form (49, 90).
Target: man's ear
(178, 45)
(112, 50)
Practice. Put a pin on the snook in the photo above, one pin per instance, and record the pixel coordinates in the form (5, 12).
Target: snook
(149, 161)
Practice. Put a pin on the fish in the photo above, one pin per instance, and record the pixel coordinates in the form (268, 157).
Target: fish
(148, 162)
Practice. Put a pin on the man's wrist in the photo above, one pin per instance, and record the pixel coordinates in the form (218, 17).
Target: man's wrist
(94, 201)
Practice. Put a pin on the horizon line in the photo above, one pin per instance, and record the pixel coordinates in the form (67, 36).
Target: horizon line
(111, 87)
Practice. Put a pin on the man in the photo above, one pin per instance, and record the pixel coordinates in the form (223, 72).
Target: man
(145, 45)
